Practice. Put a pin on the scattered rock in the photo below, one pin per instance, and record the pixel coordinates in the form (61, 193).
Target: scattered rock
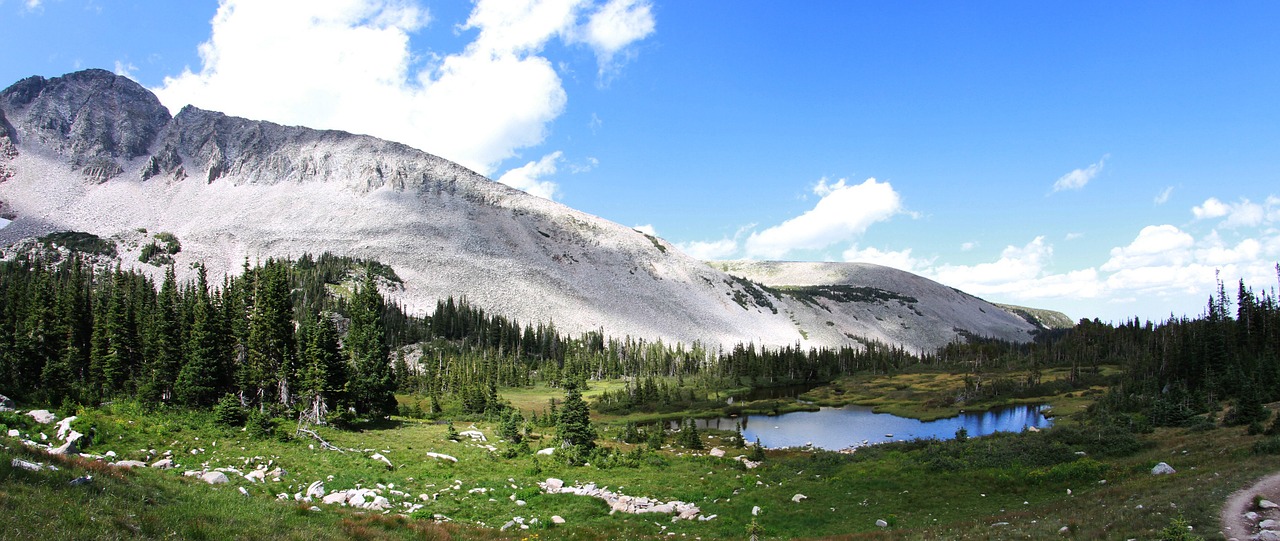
(1267, 504)
(68, 448)
(1269, 524)
(256, 476)
(799, 498)
(554, 484)
(13, 433)
(43, 417)
(1064, 530)
(316, 490)
(1251, 516)
(314, 509)
(557, 519)
(7, 404)
(29, 466)
(440, 456)
(1163, 469)
(163, 464)
(547, 452)
(716, 452)
(64, 428)
(82, 480)
(755, 511)
(215, 478)
(130, 464)
(336, 497)
(881, 523)
(999, 524)
(243, 491)
(473, 434)
(383, 459)
(1268, 535)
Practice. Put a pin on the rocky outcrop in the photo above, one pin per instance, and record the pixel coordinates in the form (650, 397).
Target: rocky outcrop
(620, 503)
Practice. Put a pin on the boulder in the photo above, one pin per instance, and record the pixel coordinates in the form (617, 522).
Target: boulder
(215, 478)
(356, 500)
(383, 459)
(163, 464)
(1268, 535)
(716, 452)
(336, 497)
(243, 491)
(557, 519)
(13, 433)
(473, 434)
(22, 464)
(799, 498)
(130, 464)
(256, 476)
(64, 428)
(68, 448)
(881, 523)
(554, 484)
(441, 456)
(547, 452)
(7, 404)
(43, 417)
(1163, 469)
(316, 490)
(755, 510)
(1269, 524)
(1267, 504)
(1251, 516)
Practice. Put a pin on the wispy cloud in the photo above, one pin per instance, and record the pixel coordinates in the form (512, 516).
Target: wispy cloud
(1078, 178)
(530, 176)
(1163, 196)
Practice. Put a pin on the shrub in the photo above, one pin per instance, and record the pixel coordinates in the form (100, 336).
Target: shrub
(228, 412)
(260, 425)
(1267, 446)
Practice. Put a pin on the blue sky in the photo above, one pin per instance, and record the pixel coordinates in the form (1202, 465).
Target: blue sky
(1099, 158)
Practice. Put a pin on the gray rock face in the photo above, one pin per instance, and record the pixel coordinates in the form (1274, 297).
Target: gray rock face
(97, 153)
(92, 117)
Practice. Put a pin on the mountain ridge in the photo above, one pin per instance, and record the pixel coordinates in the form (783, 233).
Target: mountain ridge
(96, 152)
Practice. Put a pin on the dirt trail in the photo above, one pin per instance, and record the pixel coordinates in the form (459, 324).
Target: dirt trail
(1234, 525)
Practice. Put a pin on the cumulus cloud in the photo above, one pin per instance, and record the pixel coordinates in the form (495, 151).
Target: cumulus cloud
(1243, 213)
(348, 64)
(843, 212)
(529, 177)
(900, 260)
(1155, 245)
(1078, 178)
(709, 250)
(614, 27)
(647, 229)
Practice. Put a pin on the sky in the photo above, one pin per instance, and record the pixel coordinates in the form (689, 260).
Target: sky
(1109, 160)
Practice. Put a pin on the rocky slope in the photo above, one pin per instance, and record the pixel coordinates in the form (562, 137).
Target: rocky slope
(94, 152)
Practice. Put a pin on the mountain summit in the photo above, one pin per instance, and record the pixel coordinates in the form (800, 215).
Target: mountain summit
(95, 152)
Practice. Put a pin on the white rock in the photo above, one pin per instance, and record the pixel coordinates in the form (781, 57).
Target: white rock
(755, 511)
(799, 498)
(29, 466)
(64, 427)
(1162, 469)
(215, 478)
(547, 452)
(13, 433)
(316, 490)
(130, 464)
(557, 519)
(554, 484)
(43, 417)
(256, 476)
(243, 491)
(356, 500)
(163, 464)
(441, 456)
(473, 434)
(336, 497)
(1267, 504)
(716, 452)
(1268, 535)
(383, 459)
(1251, 516)
(1064, 530)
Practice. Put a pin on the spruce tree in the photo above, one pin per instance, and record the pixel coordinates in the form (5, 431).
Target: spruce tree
(197, 380)
(573, 423)
(372, 384)
(271, 340)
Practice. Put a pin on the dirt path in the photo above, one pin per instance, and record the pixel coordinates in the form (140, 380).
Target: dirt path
(1234, 525)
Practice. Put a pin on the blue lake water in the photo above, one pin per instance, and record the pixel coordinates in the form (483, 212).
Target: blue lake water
(853, 426)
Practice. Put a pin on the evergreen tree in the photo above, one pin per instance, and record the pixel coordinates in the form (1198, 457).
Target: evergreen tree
(573, 424)
(323, 373)
(197, 383)
(270, 363)
(373, 384)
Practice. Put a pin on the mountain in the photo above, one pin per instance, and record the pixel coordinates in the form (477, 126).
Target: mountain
(94, 152)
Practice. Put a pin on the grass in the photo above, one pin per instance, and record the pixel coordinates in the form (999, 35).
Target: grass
(996, 480)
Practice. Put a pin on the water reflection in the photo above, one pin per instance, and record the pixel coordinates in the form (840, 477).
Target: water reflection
(854, 426)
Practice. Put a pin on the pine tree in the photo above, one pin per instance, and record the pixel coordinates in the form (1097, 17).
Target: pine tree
(323, 372)
(271, 341)
(197, 383)
(373, 384)
(573, 423)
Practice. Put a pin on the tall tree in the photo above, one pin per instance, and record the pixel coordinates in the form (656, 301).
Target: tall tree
(373, 384)
(270, 361)
(573, 424)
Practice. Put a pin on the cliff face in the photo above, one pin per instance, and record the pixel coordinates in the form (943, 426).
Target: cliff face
(94, 152)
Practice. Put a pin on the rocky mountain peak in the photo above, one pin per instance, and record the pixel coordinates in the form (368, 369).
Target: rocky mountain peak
(93, 118)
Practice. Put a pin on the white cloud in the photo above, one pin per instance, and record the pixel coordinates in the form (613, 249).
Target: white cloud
(1155, 245)
(1077, 179)
(33, 4)
(709, 250)
(348, 64)
(967, 246)
(1163, 196)
(1244, 213)
(900, 260)
(1015, 264)
(843, 213)
(125, 69)
(1072, 236)
(528, 177)
(647, 229)
(615, 26)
